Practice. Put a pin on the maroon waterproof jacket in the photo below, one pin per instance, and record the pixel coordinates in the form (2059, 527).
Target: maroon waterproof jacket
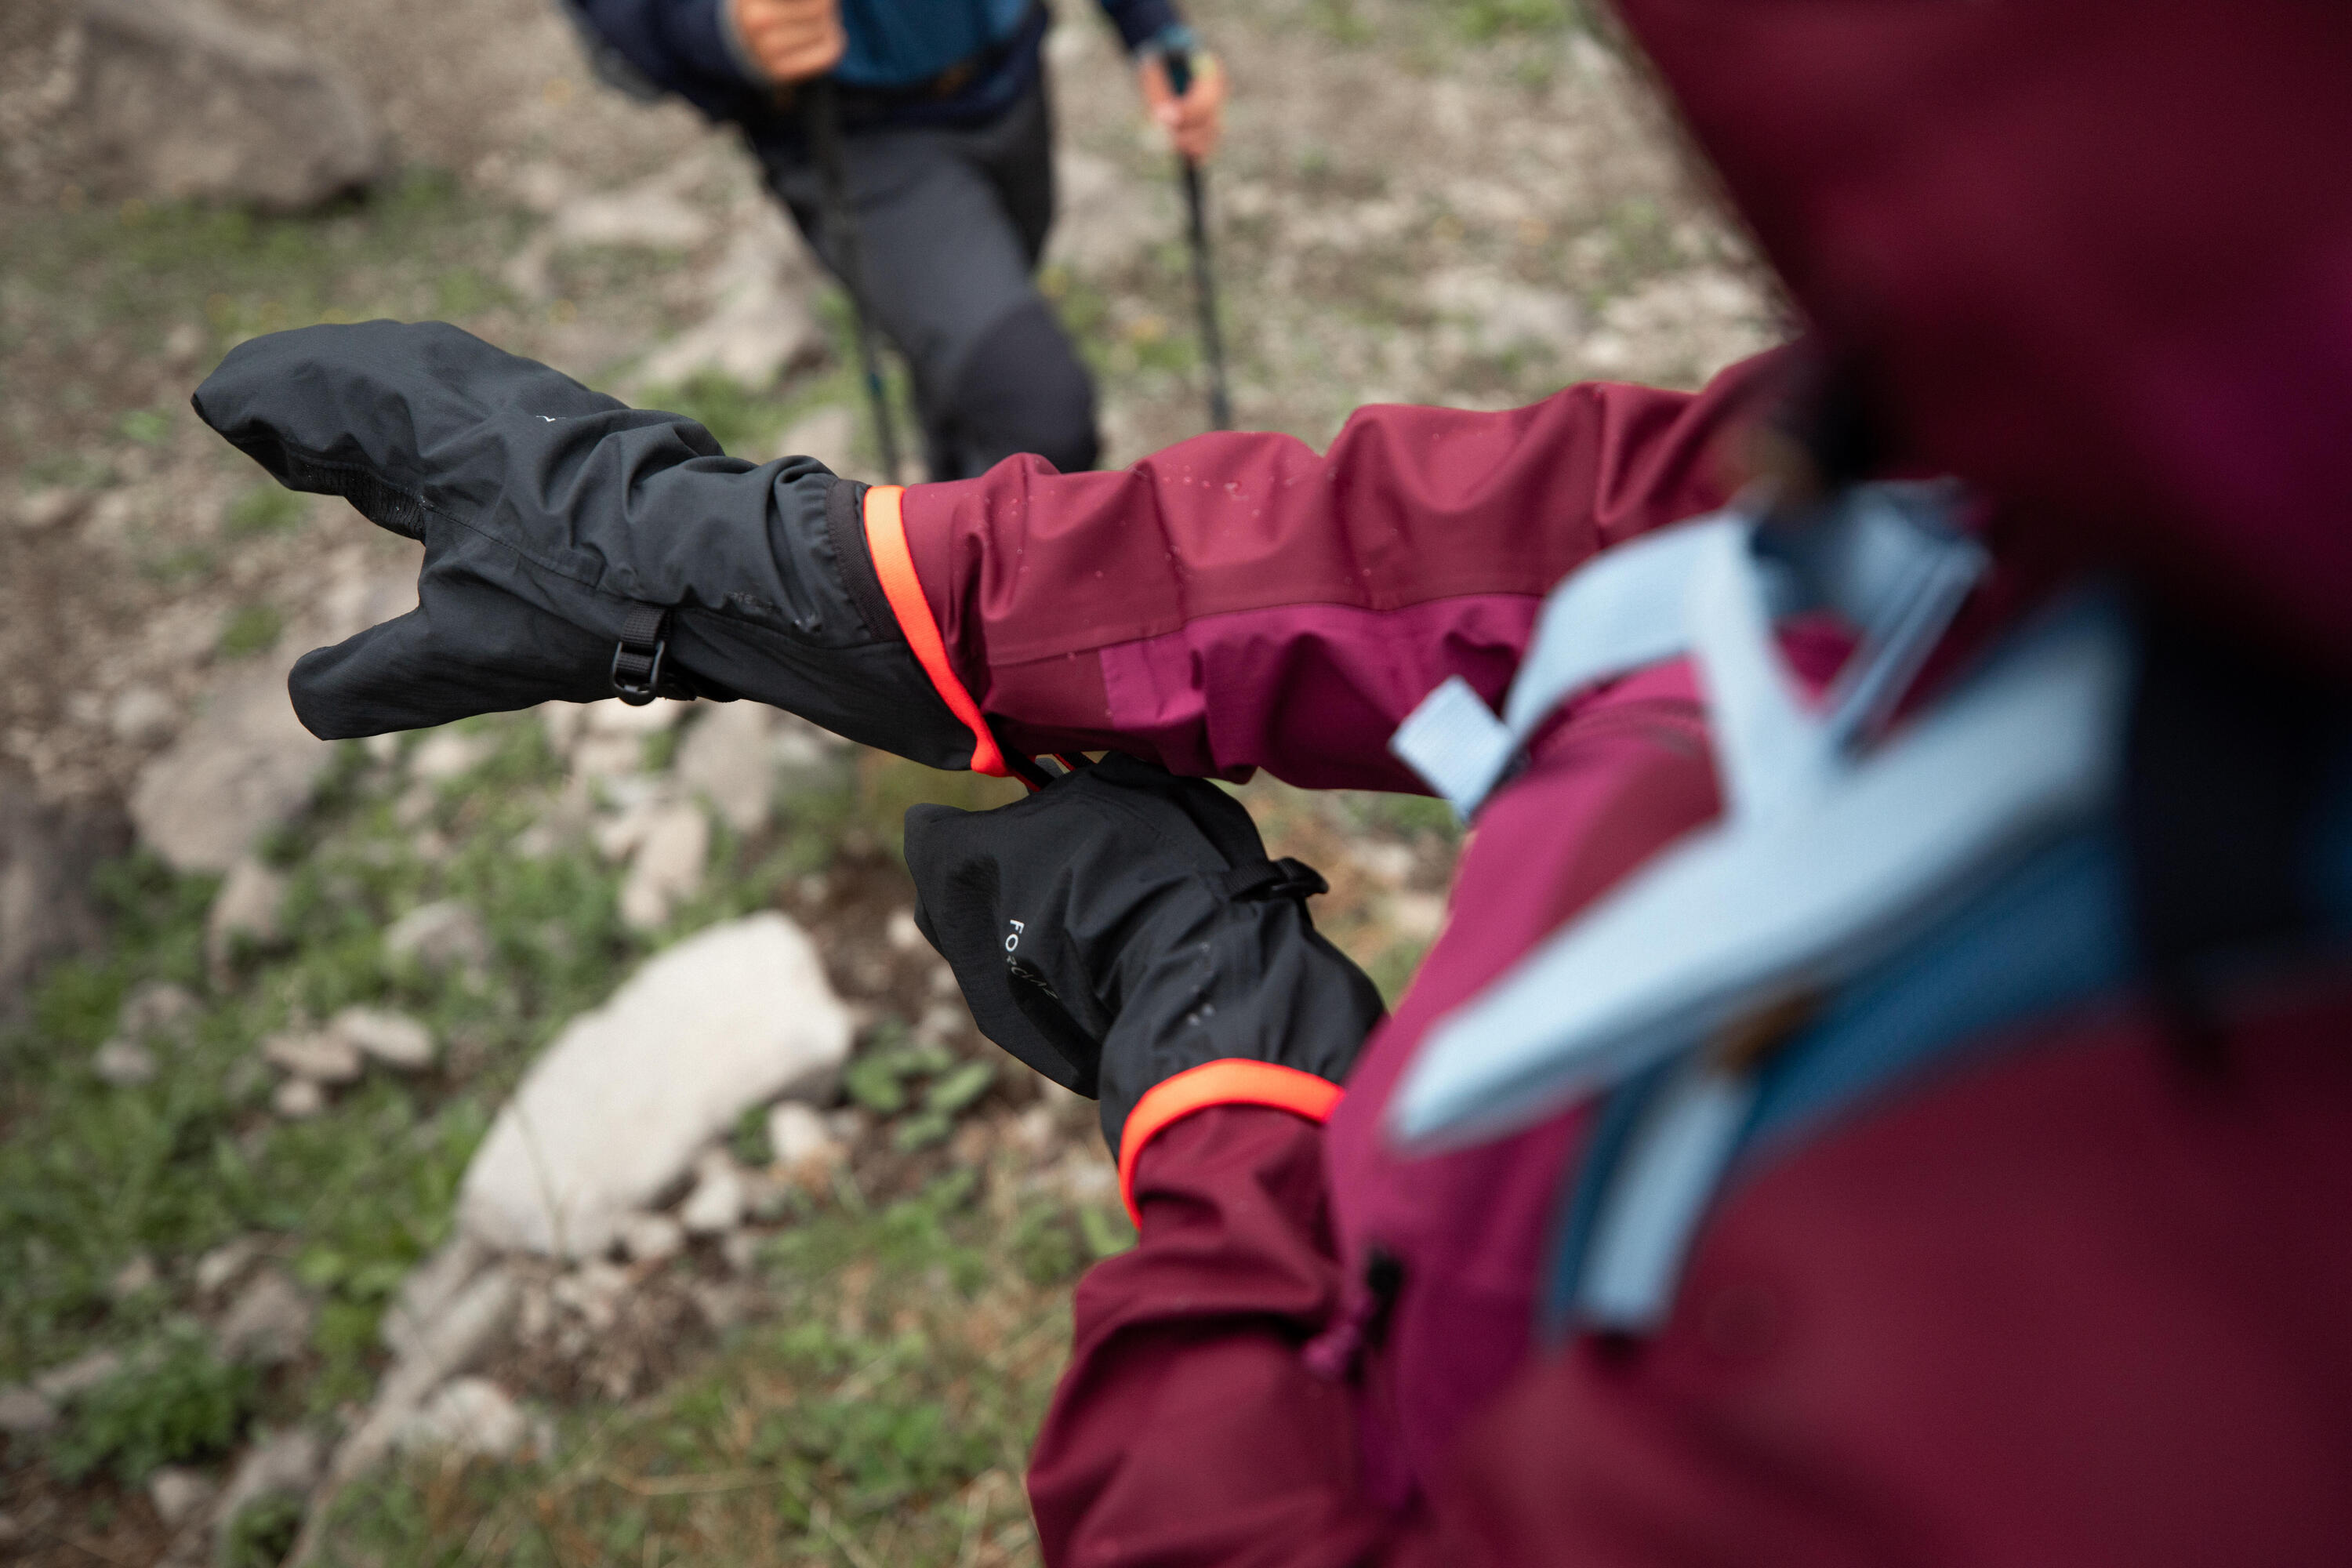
(2063, 1305)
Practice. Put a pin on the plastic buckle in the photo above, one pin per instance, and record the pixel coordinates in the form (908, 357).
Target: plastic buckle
(638, 657)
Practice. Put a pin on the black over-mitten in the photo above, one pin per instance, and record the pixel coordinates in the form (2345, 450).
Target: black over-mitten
(1123, 924)
(555, 520)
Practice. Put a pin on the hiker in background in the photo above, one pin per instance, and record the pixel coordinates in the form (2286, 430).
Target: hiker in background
(946, 135)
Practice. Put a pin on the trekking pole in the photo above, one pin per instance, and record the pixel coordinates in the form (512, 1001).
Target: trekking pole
(1178, 66)
(824, 111)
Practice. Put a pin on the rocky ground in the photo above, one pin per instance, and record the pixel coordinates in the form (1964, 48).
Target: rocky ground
(311, 1237)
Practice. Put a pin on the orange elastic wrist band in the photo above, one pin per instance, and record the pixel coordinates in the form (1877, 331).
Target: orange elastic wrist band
(1232, 1080)
(894, 563)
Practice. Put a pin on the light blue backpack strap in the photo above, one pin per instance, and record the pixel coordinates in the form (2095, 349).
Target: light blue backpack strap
(1806, 894)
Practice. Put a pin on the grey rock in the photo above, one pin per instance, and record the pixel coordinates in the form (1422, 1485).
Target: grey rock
(800, 1140)
(46, 854)
(268, 1323)
(667, 867)
(297, 1100)
(427, 1292)
(217, 1270)
(125, 1064)
(246, 909)
(320, 1057)
(717, 1203)
(63, 1385)
(447, 754)
(53, 507)
(612, 1112)
(180, 101)
(650, 1237)
(25, 1412)
(648, 216)
(142, 716)
(729, 759)
(178, 1493)
(134, 1276)
(157, 1007)
(394, 1039)
(759, 324)
(439, 936)
(283, 1464)
(245, 765)
(469, 1415)
(595, 1290)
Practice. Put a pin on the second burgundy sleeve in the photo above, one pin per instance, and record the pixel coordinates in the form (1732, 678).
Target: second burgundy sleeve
(1240, 601)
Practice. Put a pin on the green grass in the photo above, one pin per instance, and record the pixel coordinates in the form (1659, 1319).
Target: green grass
(883, 1416)
(250, 629)
(173, 1402)
(265, 509)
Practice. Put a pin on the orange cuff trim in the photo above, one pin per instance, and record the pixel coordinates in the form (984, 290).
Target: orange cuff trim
(894, 563)
(1232, 1080)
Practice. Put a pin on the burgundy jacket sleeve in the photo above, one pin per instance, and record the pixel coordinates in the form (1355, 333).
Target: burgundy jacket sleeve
(1188, 1430)
(1240, 601)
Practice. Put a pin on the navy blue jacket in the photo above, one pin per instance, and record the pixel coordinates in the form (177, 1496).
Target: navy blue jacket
(684, 47)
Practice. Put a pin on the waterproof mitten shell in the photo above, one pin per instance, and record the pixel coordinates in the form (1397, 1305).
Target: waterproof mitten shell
(1124, 925)
(548, 513)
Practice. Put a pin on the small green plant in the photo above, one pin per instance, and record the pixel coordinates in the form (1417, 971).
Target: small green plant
(262, 1532)
(738, 417)
(173, 1402)
(147, 427)
(250, 629)
(264, 509)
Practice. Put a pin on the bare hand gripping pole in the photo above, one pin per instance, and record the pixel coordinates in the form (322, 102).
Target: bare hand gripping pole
(1179, 65)
(822, 110)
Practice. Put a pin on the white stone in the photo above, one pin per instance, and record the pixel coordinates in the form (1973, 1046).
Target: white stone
(735, 1015)
(297, 1100)
(269, 1322)
(562, 721)
(469, 1415)
(244, 765)
(667, 867)
(646, 215)
(595, 1290)
(321, 1059)
(446, 753)
(650, 1237)
(902, 933)
(394, 1039)
(246, 909)
(799, 1139)
(829, 435)
(613, 717)
(60, 1385)
(618, 835)
(729, 758)
(177, 1492)
(429, 1289)
(181, 101)
(134, 1276)
(43, 509)
(716, 1204)
(218, 1268)
(142, 716)
(125, 1064)
(286, 1464)
(24, 1413)
(759, 324)
(157, 1007)
(438, 936)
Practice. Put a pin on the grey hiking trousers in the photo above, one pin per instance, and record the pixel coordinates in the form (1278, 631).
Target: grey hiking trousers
(952, 221)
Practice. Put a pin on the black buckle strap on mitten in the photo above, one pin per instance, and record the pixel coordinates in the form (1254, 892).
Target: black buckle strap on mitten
(638, 660)
(1283, 879)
